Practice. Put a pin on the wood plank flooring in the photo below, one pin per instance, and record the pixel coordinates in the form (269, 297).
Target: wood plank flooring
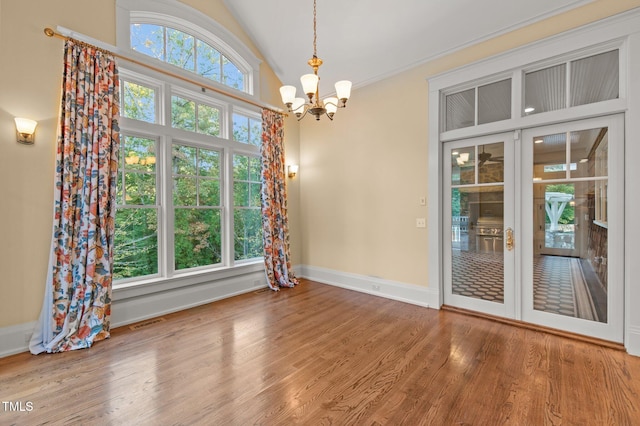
(318, 354)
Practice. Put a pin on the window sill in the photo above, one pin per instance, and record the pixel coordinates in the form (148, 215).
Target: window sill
(160, 284)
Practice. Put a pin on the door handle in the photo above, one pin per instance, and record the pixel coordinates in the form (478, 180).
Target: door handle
(509, 240)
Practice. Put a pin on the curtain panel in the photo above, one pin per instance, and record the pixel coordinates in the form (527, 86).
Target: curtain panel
(77, 302)
(275, 226)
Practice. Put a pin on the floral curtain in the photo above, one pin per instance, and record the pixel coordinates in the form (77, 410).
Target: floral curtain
(275, 227)
(77, 300)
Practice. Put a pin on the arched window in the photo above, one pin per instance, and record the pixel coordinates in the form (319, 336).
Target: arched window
(178, 35)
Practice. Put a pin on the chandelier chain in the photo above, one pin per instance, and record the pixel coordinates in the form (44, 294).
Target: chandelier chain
(315, 36)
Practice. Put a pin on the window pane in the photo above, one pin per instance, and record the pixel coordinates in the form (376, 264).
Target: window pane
(187, 52)
(208, 163)
(208, 64)
(184, 191)
(138, 102)
(460, 109)
(208, 120)
(240, 194)
(197, 238)
(240, 167)
(148, 39)
(209, 192)
(180, 49)
(254, 169)
(254, 196)
(140, 189)
(184, 160)
(545, 90)
(494, 102)
(463, 166)
(589, 151)
(255, 132)
(232, 76)
(595, 78)
(139, 154)
(183, 114)
(136, 243)
(240, 128)
(247, 233)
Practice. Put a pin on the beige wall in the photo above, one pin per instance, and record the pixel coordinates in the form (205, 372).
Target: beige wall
(363, 174)
(30, 80)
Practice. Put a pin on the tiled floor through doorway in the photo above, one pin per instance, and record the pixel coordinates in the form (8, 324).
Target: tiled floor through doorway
(559, 285)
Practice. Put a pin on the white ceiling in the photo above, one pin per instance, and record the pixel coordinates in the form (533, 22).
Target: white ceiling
(366, 40)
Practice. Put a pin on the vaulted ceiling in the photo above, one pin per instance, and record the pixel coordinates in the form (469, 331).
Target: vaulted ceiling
(367, 40)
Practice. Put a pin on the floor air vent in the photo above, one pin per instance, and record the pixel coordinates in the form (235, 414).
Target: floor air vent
(143, 324)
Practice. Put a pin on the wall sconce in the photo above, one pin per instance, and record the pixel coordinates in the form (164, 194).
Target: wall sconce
(25, 130)
(292, 170)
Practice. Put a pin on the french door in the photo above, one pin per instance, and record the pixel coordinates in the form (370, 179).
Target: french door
(536, 221)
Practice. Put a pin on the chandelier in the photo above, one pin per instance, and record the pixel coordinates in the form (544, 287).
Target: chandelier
(310, 86)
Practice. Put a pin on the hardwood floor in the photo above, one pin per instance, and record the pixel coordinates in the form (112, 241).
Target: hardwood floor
(318, 354)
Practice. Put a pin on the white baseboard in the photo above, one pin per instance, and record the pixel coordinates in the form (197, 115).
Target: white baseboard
(408, 293)
(128, 307)
(632, 341)
(15, 338)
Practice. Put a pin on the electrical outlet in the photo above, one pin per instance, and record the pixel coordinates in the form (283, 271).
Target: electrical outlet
(421, 222)
(423, 201)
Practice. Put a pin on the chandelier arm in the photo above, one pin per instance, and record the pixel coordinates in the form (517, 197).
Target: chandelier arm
(306, 109)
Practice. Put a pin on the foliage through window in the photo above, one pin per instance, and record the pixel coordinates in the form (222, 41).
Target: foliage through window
(197, 209)
(187, 52)
(247, 216)
(140, 101)
(136, 227)
(195, 117)
(247, 129)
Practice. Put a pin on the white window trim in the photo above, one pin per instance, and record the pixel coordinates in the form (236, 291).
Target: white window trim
(621, 30)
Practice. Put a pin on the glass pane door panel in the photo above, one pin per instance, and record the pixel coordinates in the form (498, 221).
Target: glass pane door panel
(491, 163)
(589, 152)
(477, 218)
(463, 165)
(550, 157)
(570, 254)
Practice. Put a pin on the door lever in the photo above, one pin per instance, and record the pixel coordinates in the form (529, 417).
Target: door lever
(509, 240)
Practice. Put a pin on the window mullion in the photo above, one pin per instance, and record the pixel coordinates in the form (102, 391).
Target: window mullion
(166, 208)
(227, 207)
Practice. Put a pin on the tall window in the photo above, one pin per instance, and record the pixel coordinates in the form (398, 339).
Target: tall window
(189, 180)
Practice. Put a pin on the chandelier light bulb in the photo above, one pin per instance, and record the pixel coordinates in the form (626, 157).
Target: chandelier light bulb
(343, 90)
(288, 94)
(309, 84)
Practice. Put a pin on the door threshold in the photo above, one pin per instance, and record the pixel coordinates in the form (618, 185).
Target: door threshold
(535, 327)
